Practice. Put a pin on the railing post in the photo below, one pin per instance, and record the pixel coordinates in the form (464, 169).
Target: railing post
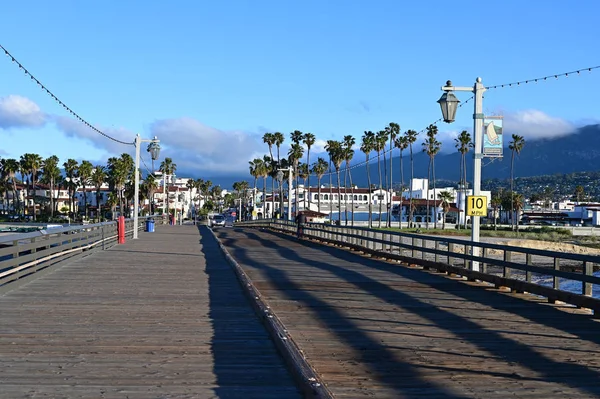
(588, 269)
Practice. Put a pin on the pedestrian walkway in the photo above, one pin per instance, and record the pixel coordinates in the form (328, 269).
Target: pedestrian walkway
(159, 317)
(377, 329)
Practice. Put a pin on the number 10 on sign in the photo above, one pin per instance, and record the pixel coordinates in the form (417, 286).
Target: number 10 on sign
(476, 205)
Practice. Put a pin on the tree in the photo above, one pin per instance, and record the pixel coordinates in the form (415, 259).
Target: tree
(32, 163)
(278, 139)
(368, 145)
(319, 169)
(10, 167)
(309, 141)
(445, 197)
(167, 167)
(84, 172)
(380, 142)
(269, 139)
(579, 193)
(496, 203)
(97, 179)
(431, 147)
(332, 147)
(411, 138)
(515, 146)
(402, 144)
(463, 143)
(294, 155)
(304, 173)
(348, 151)
(393, 129)
(70, 167)
(336, 153)
(50, 176)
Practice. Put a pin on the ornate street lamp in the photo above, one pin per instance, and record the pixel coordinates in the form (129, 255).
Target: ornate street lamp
(449, 104)
(136, 196)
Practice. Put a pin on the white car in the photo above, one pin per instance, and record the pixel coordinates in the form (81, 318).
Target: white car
(218, 221)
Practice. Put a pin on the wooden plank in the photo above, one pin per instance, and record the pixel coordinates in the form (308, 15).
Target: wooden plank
(373, 328)
(161, 316)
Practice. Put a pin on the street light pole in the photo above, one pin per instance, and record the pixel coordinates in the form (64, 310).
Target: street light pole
(449, 105)
(154, 150)
(289, 169)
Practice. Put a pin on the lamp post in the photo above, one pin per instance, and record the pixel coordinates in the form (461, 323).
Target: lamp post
(449, 104)
(154, 150)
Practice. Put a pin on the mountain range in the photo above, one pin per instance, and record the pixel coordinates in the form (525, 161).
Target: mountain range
(575, 152)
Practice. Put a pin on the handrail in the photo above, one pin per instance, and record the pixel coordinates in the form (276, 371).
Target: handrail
(443, 253)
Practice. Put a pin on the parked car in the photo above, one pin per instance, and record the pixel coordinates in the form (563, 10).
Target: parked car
(229, 221)
(218, 221)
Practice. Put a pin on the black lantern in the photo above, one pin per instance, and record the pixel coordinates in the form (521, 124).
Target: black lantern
(449, 104)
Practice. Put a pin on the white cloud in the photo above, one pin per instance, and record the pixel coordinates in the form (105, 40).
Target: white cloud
(17, 111)
(198, 149)
(74, 128)
(534, 125)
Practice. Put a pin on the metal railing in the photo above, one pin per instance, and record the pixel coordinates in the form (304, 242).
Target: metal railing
(27, 253)
(557, 276)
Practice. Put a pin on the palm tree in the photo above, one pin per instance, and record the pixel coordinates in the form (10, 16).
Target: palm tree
(392, 130)
(402, 144)
(269, 139)
(97, 179)
(411, 138)
(31, 164)
(168, 168)
(463, 142)
(515, 146)
(347, 145)
(294, 155)
(367, 145)
(278, 139)
(309, 141)
(70, 167)
(445, 197)
(264, 173)
(50, 176)
(84, 173)
(10, 167)
(496, 202)
(431, 146)
(380, 142)
(579, 193)
(517, 204)
(337, 157)
(319, 169)
(331, 148)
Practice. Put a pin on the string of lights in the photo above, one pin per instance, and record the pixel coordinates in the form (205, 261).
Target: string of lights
(73, 113)
(543, 78)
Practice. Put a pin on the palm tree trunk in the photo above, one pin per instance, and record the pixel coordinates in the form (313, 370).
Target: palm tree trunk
(308, 179)
(370, 222)
(428, 176)
(412, 176)
(264, 197)
(435, 208)
(330, 192)
(512, 193)
(319, 194)
(401, 191)
(272, 198)
(346, 195)
(380, 187)
(352, 194)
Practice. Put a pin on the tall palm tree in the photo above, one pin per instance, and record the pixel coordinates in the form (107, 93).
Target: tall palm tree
(445, 197)
(278, 139)
(380, 142)
(50, 176)
(347, 145)
(70, 166)
(331, 147)
(496, 202)
(97, 179)
(31, 164)
(515, 146)
(431, 147)
(294, 155)
(309, 141)
(167, 167)
(337, 157)
(463, 142)
(401, 143)
(10, 167)
(269, 139)
(517, 204)
(319, 169)
(84, 172)
(411, 138)
(265, 167)
(393, 130)
(368, 145)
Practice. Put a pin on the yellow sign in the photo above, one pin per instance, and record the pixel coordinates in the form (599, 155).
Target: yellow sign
(476, 205)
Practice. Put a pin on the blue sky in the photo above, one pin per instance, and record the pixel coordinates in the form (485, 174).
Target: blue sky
(209, 78)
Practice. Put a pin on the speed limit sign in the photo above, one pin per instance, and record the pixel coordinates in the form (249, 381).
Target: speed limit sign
(476, 205)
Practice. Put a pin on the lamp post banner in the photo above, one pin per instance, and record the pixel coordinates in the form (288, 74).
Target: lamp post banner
(492, 137)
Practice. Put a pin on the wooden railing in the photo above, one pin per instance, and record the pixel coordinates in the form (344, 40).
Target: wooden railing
(24, 254)
(546, 273)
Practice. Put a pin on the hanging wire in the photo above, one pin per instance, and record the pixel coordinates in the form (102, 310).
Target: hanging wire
(75, 115)
(543, 78)
(146, 166)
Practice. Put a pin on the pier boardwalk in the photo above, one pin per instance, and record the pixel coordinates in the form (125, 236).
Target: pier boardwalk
(159, 317)
(378, 329)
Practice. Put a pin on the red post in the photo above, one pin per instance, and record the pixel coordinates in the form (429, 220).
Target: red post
(121, 229)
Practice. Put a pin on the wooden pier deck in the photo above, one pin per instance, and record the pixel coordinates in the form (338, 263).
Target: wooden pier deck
(158, 317)
(373, 328)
